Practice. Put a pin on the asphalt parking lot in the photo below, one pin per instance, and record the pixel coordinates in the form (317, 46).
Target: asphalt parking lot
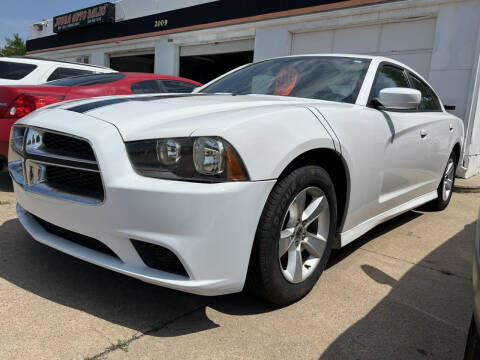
(403, 291)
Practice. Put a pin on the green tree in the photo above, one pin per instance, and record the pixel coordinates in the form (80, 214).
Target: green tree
(15, 46)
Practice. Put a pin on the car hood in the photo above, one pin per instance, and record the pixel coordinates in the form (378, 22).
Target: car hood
(169, 115)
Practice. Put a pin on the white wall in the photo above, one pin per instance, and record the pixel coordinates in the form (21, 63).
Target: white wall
(453, 54)
(453, 69)
(130, 9)
(272, 42)
(166, 55)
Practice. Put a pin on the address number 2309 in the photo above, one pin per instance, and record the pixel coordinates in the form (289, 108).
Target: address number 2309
(161, 23)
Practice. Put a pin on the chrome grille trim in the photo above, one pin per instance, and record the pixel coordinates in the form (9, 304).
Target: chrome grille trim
(30, 169)
(51, 155)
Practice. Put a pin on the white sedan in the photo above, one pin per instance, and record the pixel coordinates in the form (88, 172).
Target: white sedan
(25, 70)
(250, 182)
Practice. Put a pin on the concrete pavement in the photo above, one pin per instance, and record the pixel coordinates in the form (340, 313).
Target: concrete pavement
(403, 291)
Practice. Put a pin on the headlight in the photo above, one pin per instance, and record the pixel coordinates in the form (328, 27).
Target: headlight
(208, 156)
(205, 159)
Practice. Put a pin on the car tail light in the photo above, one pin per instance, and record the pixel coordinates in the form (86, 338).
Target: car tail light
(24, 104)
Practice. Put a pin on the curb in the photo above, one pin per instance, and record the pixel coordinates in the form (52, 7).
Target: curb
(466, 189)
(471, 185)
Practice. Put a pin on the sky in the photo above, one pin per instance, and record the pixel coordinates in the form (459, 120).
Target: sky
(17, 15)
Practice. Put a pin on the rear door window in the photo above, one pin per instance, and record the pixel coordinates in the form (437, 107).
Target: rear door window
(173, 86)
(147, 87)
(430, 101)
(62, 72)
(15, 71)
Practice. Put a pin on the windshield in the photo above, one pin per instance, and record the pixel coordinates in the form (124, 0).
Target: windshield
(85, 80)
(314, 77)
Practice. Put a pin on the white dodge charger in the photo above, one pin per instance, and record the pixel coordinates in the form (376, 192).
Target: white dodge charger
(250, 181)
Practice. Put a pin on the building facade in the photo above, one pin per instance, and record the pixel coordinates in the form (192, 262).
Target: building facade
(202, 39)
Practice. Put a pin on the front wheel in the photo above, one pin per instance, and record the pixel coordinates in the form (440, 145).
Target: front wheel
(294, 236)
(445, 189)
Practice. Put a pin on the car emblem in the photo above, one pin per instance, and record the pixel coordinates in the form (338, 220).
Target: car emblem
(33, 140)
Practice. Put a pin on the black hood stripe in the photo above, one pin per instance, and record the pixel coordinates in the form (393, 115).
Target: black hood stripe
(101, 103)
(96, 104)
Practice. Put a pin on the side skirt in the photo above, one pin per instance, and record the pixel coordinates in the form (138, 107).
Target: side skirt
(353, 234)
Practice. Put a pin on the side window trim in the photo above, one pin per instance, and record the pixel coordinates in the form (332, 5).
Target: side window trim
(49, 73)
(409, 75)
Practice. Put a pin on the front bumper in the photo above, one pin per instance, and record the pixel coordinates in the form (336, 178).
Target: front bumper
(209, 227)
(5, 126)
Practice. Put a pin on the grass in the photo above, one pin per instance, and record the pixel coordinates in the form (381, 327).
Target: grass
(120, 345)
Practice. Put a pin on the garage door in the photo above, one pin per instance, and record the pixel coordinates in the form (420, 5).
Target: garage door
(410, 42)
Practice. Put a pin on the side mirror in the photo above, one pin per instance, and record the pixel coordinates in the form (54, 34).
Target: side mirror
(399, 98)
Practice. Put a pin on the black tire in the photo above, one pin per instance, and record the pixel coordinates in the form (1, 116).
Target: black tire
(441, 202)
(265, 278)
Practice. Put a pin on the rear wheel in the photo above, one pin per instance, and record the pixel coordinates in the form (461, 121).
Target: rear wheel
(294, 236)
(445, 189)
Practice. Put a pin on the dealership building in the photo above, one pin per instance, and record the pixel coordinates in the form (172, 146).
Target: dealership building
(201, 39)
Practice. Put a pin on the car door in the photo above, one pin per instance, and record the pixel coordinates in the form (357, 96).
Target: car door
(404, 175)
(440, 132)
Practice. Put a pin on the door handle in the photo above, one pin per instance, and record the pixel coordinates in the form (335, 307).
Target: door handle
(451, 127)
(423, 133)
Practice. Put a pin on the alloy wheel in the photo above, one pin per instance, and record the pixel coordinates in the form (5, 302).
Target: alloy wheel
(304, 234)
(448, 178)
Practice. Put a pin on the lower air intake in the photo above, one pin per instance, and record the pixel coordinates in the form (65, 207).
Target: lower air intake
(158, 257)
(88, 242)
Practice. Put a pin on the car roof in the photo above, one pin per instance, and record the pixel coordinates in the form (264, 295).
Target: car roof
(157, 76)
(35, 60)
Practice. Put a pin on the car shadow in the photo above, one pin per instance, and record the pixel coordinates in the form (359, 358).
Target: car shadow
(105, 294)
(5, 182)
(128, 302)
(340, 254)
(430, 305)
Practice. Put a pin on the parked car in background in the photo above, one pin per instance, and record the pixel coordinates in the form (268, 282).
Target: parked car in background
(33, 71)
(253, 180)
(472, 349)
(18, 101)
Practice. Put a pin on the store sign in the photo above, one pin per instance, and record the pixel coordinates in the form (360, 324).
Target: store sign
(99, 14)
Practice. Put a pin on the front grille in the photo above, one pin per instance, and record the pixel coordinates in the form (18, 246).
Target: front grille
(68, 146)
(86, 241)
(58, 165)
(75, 181)
(158, 257)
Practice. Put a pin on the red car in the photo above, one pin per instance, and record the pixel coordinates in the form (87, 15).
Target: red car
(18, 101)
